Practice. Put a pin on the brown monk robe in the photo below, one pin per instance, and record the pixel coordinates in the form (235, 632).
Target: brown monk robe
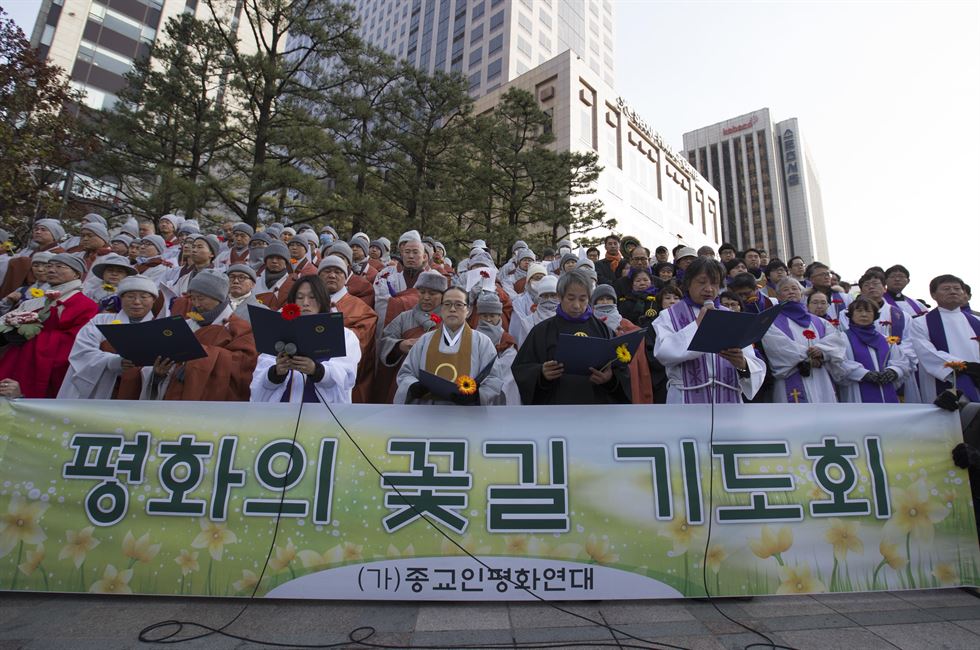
(361, 319)
(508, 309)
(640, 382)
(130, 382)
(19, 272)
(362, 288)
(273, 292)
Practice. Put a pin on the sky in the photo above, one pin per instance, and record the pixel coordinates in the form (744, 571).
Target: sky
(887, 95)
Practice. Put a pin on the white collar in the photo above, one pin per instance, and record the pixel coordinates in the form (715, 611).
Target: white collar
(336, 297)
(452, 340)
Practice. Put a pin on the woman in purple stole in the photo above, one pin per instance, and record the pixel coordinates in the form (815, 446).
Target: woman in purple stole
(873, 369)
(800, 347)
(700, 377)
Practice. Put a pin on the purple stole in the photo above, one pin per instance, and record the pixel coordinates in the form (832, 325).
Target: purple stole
(914, 304)
(763, 303)
(795, 390)
(897, 327)
(695, 371)
(309, 390)
(937, 334)
(862, 342)
(839, 306)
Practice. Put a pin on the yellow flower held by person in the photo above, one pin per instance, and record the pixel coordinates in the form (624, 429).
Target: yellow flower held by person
(35, 292)
(945, 574)
(21, 523)
(770, 544)
(187, 561)
(283, 556)
(116, 322)
(32, 561)
(599, 551)
(214, 536)
(623, 353)
(797, 580)
(914, 512)
(139, 549)
(842, 535)
(715, 556)
(78, 546)
(113, 582)
(247, 583)
(894, 559)
(194, 316)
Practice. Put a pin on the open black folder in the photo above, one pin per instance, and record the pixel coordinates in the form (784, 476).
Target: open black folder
(141, 343)
(579, 353)
(720, 330)
(442, 388)
(316, 336)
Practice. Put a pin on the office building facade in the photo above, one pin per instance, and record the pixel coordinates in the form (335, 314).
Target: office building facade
(491, 42)
(768, 187)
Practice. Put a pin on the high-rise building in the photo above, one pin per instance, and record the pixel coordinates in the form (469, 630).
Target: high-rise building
(490, 42)
(97, 41)
(767, 183)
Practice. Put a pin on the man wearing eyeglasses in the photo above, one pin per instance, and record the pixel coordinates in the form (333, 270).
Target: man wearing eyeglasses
(639, 261)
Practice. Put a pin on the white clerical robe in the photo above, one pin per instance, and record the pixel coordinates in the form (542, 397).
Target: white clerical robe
(92, 372)
(784, 353)
(848, 373)
(339, 377)
(959, 337)
(482, 353)
(671, 350)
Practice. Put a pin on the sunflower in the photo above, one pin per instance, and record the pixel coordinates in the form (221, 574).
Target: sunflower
(466, 384)
(894, 340)
(111, 288)
(35, 292)
(958, 366)
(623, 353)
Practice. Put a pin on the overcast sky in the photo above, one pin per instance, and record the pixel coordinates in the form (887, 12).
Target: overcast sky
(887, 94)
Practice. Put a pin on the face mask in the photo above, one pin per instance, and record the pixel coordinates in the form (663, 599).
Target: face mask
(564, 250)
(256, 255)
(532, 290)
(494, 332)
(608, 314)
(549, 305)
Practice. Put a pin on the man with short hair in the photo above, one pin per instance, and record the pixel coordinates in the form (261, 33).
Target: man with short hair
(241, 283)
(606, 268)
(46, 236)
(821, 279)
(896, 279)
(726, 252)
(236, 251)
(639, 261)
(662, 254)
(947, 335)
(753, 263)
(754, 300)
(394, 289)
(706, 251)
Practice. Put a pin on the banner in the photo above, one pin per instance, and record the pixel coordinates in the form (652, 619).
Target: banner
(577, 502)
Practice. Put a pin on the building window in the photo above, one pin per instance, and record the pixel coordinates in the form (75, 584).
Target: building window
(476, 56)
(476, 34)
(525, 22)
(493, 70)
(523, 46)
(497, 20)
(103, 58)
(93, 97)
(478, 11)
(496, 44)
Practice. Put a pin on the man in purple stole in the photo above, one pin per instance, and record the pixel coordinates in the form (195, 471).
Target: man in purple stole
(755, 299)
(896, 279)
(945, 335)
(822, 279)
(699, 377)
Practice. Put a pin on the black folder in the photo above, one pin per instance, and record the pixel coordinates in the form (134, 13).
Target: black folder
(579, 353)
(720, 330)
(441, 388)
(316, 336)
(141, 343)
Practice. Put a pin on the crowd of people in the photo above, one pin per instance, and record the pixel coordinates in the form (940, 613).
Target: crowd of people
(492, 333)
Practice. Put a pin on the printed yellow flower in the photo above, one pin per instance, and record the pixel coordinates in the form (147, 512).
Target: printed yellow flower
(797, 580)
(915, 513)
(945, 574)
(842, 535)
(516, 545)
(35, 292)
(680, 532)
(113, 582)
(345, 552)
(214, 536)
(468, 542)
(79, 544)
(395, 553)
(283, 556)
(599, 551)
(139, 549)
(772, 545)
(349, 552)
(33, 561)
(187, 561)
(247, 583)
(21, 524)
(816, 493)
(623, 353)
(891, 555)
(716, 555)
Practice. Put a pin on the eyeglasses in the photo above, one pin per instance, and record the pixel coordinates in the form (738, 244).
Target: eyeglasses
(238, 278)
(454, 305)
(640, 259)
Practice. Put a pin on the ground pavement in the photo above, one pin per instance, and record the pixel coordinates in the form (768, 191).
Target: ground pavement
(910, 620)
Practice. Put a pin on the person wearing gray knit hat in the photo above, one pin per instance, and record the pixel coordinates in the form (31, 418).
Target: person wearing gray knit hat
(343, 249)
(256, 249)
(92, 217)
(211, 283)
(157, 242)
(518, 245)
(120, 243)
(242, 268)
(55, 232)
(131, 228)
(275, 280)
(97, 229)
(567, 263)
(241, 289)
(603, 291)
(333, 262)
(432, 280)
(360, 242)
(138, 283)
(277, 249)
(244, 228)
(488, 302)
(72, 262)
(409, 235)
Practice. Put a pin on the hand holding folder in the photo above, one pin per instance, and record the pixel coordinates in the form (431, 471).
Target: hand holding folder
(579, 353)
(722, 330)
(142, 343)
(315, 336)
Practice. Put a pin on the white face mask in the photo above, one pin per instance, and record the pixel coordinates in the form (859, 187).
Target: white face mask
(548, 305)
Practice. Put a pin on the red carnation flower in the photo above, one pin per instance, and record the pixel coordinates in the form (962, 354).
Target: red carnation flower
(837, 301)
(290, 311)
(436, 318)
(835, 322)
(484, 274)
(809, 335)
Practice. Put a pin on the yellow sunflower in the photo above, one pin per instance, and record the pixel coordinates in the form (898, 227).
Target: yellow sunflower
(623, 353)
(35, 292)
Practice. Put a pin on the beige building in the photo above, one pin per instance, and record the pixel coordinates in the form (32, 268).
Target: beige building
(652, 192)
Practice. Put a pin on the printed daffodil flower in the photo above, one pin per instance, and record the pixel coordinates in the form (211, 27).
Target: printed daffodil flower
(889, 552)
(599, 551)
(715, 556)
(945, 574)
(680, 532)
(468, 542)
(113, 582)
(772, 545)
(283, 556)
(797, 580)
(345, 552)
(214, 536)
(32, 561)
(915, 513)
(842, 535)
(516, 545)
(21, 523)
(187, 561)
(247, 583)
(393, 551)
(140, 549)
(78, 546)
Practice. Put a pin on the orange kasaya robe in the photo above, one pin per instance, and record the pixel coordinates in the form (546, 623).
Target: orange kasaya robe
(274, 300)
(225, 374)
(19, 271)
(362, 288)
(640, 382)
(363, 321)
(386, 378)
